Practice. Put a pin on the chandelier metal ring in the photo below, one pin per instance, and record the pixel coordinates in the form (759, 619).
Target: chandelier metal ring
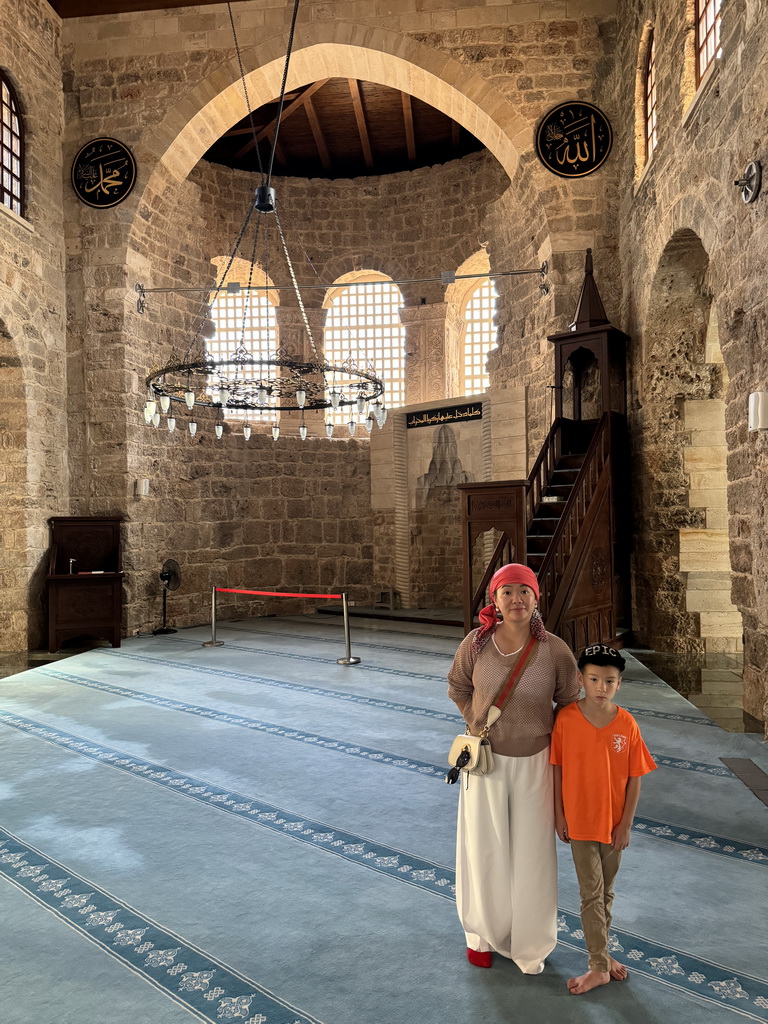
(279, 384)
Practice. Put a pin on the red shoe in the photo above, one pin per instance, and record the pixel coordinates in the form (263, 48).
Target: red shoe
(477, 958)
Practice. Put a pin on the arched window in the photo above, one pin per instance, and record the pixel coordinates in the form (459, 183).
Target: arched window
(479, 336)
(246, 315)
(363, 325)
(650, 99)
(707, 35)
(11, 149)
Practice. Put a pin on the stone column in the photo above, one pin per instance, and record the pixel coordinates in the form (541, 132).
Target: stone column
(432, 334)
(294, 342)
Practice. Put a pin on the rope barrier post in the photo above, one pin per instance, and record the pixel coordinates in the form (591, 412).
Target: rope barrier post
(348, 659)
(213, 642)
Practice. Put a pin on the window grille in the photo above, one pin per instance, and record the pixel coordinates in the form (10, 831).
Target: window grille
(707, 35)
(364, 325)
(650, 99)
(479, 336)
(227, 313)
(11, 149)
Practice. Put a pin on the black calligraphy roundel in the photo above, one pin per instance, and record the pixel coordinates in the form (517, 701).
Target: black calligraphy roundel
(103, 173)
(574, 139)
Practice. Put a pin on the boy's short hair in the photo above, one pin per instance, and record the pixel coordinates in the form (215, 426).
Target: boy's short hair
(599, 654)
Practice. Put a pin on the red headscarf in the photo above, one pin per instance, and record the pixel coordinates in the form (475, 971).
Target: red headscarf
(515, 572)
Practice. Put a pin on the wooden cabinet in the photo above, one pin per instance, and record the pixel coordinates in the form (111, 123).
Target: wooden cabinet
(85, 579)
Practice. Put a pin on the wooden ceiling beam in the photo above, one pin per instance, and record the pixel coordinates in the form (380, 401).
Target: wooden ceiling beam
(362, 127)
(408, 119)
(317, 134)
(297, 104)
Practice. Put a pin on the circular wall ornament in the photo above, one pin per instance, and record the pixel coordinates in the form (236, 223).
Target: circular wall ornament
(574, 139)
(103, 173)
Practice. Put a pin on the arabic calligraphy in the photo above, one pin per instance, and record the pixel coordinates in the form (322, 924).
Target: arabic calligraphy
(103, 172)
(574, 139)
(436, 417)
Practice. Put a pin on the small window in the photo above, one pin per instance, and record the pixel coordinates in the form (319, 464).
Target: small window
(246, 317)
(363, 325)
(11, 149)
(707, 35)
(650, 100)
(479, 336)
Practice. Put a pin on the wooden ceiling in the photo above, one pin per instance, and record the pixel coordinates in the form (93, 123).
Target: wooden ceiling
(91, 8)
(344, 128)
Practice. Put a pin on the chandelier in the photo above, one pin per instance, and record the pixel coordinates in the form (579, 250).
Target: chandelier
(258, 385)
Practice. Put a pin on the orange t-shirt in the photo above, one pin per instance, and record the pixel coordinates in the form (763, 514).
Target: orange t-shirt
(596, 765)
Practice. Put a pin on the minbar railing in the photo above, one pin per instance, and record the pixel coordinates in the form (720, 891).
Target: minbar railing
(579, 599)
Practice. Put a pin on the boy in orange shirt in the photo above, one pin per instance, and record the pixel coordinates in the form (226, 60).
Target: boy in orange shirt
(599, 757)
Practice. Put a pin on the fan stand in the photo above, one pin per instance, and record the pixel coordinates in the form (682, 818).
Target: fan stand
(164, 629)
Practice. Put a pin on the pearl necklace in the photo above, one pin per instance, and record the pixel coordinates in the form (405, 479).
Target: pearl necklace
(502, 652)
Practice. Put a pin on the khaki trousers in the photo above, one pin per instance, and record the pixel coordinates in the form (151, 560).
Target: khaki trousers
(596, 867)
(506, 866)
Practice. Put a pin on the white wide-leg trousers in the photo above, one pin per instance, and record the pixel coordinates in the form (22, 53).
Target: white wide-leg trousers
(506, 865)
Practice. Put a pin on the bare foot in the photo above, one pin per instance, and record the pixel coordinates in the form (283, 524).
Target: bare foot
(588, 981)
(618, 971)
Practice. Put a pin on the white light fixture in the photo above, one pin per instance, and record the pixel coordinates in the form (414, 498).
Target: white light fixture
(352, 428)
(275, 432)
(383, 416)
(147, 416)
(171, 424)
(261, 396)
(335, 397)
(361, 404)
(329, 429)
(369, 423)
(165, 403)
(247, 431)
(758, 411)
(219, 428)
(189, 398)
(303, 431)
(301, 397)
(223, 397)
(150, 407)
(192, 427)
(156, 420)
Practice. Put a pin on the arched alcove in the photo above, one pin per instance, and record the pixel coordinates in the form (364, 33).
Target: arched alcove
(682, 566)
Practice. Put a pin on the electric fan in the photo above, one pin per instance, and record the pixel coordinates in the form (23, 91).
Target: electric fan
(170, 577)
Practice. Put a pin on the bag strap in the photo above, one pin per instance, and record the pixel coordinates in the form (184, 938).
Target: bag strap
(507, 687)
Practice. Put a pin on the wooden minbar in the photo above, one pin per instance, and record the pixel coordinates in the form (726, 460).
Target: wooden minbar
(85, 579)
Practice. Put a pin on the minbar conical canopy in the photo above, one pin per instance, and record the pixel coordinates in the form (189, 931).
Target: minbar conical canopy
(590, 311)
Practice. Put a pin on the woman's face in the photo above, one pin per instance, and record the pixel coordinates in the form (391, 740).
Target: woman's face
(516, 602)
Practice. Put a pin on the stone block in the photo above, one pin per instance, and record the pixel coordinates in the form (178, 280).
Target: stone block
(721, 624)
(704, 551)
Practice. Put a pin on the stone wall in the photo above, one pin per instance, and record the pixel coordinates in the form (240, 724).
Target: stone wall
(706, 137)
(33, 364)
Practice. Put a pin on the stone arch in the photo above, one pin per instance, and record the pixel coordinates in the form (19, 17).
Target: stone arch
(682, 566)
(20, 612)
(172, 148)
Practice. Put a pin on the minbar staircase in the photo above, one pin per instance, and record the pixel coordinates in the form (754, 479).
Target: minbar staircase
(567, 521)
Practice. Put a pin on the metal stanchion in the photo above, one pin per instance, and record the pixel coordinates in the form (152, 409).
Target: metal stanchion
(348, 659)
(213, 642)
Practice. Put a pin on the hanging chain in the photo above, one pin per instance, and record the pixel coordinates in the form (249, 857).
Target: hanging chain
(245, 92)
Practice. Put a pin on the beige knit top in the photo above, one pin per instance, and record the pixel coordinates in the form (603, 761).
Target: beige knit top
(550, 676)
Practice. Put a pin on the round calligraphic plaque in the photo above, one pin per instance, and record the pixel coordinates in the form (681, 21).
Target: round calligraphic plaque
(574, 139)
(103, 173)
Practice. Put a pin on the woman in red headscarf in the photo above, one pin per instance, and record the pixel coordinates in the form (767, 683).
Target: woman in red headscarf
(506, 865)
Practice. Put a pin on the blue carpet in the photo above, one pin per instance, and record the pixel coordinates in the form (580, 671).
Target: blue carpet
(256, 833)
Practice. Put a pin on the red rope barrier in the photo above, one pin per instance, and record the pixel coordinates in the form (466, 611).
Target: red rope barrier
(269, 593)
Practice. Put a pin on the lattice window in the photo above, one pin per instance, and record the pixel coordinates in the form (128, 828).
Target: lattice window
(260, 336)
(479, 336)
(363, 324)
(11, 149)
(650, 99)
(707, 35)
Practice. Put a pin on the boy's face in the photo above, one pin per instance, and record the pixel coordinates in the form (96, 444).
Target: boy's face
(600, 682)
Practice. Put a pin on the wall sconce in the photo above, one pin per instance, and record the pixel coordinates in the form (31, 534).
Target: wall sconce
(758, 411)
